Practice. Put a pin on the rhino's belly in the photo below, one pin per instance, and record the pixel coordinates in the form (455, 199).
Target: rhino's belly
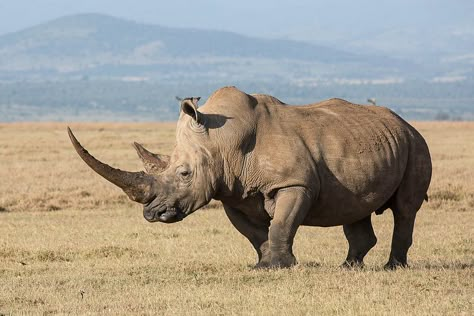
(354, 190)
(345, 208)
(327, 217)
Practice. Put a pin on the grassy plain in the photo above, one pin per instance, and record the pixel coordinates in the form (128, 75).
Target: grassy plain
(70, 242)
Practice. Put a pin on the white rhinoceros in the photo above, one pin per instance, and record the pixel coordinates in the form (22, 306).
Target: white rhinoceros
(276, 167)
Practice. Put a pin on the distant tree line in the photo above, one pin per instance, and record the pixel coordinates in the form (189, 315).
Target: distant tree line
(413, 100)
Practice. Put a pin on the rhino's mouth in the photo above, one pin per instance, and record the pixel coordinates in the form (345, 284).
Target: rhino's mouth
(163, 214)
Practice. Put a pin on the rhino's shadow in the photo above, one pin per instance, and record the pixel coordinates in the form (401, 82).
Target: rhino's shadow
(214, 121)
(424, 265)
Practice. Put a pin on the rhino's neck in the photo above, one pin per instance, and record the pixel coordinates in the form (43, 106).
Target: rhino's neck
(235, 142)
(238, 181)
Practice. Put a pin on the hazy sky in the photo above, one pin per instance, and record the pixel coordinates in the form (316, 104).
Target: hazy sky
(277, 18)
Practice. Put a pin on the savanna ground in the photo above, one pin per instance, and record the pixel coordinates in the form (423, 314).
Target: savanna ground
(70, 242)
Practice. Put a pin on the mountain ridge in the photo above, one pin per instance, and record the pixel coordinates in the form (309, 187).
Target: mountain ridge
(85, 41)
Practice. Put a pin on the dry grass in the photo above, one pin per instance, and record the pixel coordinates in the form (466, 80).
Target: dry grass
(72, 243)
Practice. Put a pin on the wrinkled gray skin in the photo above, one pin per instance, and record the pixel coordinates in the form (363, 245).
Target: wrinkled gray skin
(277, 167)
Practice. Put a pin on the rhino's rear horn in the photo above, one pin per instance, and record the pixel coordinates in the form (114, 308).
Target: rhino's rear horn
(153, 163)
(137, 185)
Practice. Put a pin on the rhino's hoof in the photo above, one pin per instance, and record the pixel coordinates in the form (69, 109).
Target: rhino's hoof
(352, 264)
(395, 264)
(262, 265)
(283, 261)
(277, 263)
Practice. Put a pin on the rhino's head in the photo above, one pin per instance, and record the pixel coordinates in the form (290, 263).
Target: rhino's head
(172, 186)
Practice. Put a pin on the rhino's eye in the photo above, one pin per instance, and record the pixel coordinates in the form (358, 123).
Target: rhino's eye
(183, 173)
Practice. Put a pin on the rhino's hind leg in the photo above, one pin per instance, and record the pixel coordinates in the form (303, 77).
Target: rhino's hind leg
(361, 238)
(256, 233)
(408, 200)
(401, 239)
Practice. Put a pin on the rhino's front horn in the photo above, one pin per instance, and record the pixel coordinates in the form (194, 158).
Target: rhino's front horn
(137, 185)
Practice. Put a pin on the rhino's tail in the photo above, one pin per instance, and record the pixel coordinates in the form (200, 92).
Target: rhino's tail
(426, 197)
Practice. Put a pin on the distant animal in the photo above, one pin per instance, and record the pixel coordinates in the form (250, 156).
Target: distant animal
(276, 167)
(372, 101)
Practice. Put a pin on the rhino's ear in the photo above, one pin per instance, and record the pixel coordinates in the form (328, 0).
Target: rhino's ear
(190, 107)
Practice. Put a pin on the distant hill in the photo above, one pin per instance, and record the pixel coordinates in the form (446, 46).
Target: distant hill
(88, 34)
(103, 46)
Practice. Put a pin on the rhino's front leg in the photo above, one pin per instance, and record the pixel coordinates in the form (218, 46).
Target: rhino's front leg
(291, 206)
(255, 231)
